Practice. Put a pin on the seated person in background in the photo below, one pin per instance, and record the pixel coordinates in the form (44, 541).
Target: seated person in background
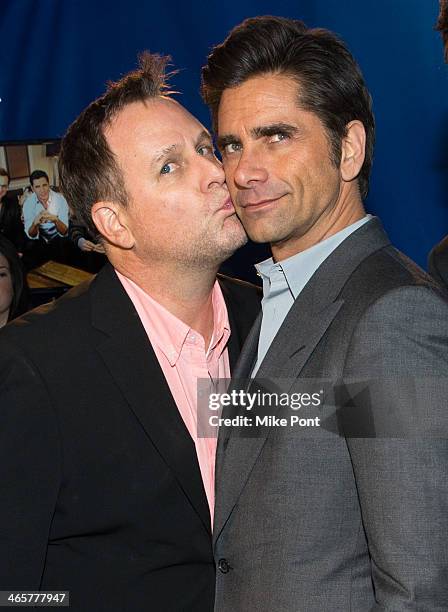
(13, 290)
(45, 215)
(27, 192)
(11, 225)
(92, 256)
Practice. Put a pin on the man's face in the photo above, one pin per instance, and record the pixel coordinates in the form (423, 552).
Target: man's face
(4, 184)
(179, 206)
(42, 189)
(277, 160)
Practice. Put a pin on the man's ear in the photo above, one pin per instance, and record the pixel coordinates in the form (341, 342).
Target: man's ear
(111, 222)
(353, 148)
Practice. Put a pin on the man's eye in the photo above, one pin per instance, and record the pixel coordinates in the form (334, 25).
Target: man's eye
(167, 168)
(278, 137)
(206, 150)
(232, 147)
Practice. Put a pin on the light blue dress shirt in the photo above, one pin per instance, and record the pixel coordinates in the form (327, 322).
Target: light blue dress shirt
(283, 282)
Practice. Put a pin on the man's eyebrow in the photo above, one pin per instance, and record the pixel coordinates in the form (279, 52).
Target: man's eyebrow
(161, 153)
(204, 135)
(259, 132)
(274, 128)
(223, 141)
(173, 148)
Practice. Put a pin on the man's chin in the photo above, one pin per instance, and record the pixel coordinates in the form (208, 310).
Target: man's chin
(234, 241)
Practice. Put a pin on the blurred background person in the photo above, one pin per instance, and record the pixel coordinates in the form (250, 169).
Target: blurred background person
(442, 25)
(90, 254)
(11, 225)
(45, 215)
(13, 288)
(438, 257)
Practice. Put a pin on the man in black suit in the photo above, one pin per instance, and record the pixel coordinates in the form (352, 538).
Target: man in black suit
(106, 488)
(345, 508)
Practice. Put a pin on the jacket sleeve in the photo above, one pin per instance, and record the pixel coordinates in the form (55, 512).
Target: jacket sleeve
(18, 229)
(76, 230)
(29, 470)
(29, 215)
(397, 367)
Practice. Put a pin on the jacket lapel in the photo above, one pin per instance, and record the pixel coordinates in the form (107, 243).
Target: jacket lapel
(305, 324)
(288, 354)
(130, 358)
(240, 318)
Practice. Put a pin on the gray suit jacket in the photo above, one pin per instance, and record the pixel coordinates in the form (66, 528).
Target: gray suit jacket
(351, 515)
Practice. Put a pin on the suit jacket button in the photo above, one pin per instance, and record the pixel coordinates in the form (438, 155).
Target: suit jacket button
(223, 566)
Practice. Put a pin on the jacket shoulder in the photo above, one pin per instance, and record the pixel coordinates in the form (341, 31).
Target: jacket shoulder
(53, 324)
(385, 271)
(237, 286)
(438, 262)
(240, 294)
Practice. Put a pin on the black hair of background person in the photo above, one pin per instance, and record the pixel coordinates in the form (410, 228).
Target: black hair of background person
(19, 303)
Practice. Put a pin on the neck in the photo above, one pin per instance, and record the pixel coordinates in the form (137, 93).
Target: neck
(345, 212)
(185, 292)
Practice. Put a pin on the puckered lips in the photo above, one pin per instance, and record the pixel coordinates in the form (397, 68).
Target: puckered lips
(227, 206)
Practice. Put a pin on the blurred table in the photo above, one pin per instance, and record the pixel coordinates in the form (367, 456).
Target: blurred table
(50, 280)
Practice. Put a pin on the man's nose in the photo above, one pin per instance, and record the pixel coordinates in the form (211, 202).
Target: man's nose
(250, 170)
(213, 175)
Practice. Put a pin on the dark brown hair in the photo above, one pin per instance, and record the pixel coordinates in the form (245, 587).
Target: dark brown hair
(442, 25)
(4, 172)
(38, 174)
(88, 169)
(330, 81)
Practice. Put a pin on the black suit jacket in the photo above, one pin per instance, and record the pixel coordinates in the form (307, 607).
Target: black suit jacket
(101, 489)
(11, 225)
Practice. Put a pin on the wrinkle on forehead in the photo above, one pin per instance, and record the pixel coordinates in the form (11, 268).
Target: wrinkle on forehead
(156, 119)
(257, 100)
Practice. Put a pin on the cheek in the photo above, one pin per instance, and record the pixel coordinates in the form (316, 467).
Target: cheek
(229, 170)
(6, 290)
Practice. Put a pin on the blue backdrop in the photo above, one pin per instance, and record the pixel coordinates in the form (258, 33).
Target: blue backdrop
(58, 54)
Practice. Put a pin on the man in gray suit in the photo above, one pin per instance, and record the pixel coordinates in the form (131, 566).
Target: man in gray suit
(351, 514)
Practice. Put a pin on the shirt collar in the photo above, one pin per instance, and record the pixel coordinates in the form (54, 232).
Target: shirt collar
(299, 268)
(169, 332)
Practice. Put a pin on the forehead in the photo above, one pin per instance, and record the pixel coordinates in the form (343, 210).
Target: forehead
(142, 126)
(3, 180)
(40, 182)
(3, 262)
(258, 100)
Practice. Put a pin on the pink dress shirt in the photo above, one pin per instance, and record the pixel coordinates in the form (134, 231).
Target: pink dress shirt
(183, 357)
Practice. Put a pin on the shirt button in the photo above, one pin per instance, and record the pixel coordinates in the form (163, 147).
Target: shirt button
(223, 566)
